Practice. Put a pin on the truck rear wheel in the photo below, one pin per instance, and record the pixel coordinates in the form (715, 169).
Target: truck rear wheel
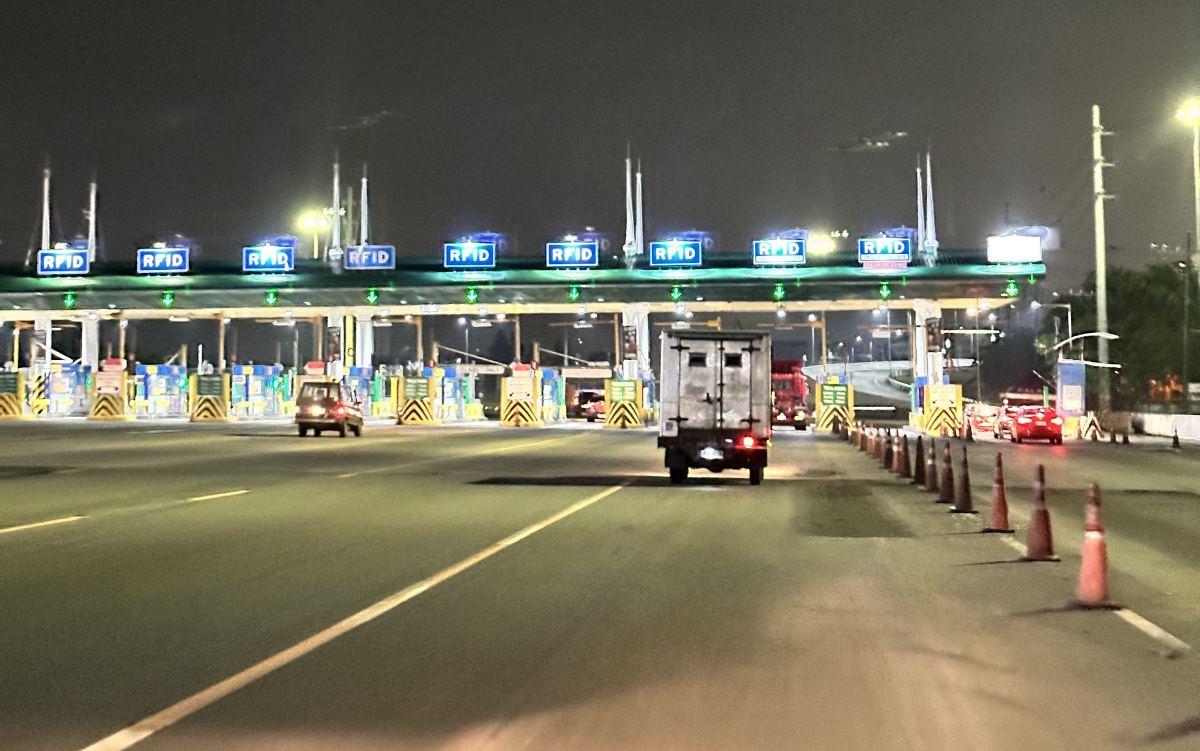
(756, 475)
(678, 475)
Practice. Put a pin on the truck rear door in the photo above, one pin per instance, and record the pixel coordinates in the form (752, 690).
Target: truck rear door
(699, 393)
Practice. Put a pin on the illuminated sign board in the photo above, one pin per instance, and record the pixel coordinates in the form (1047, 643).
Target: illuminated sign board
(268, 259)
(677, 253)
(63, 262)
(1014, 249)
(166, 260)
(370, 258)
(469, 255)
(884, 252)
(573, 255)
(779, 252)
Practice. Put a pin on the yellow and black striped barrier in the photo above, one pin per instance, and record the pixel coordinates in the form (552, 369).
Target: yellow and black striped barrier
(519, 414)
(416, 408)
(12, 406)
(835, 401)
(942, 410)
(1090, 428)
(622, 404)
(210, 398)
(941, 421)
(108, 407)
(39, 400)
(519, 400)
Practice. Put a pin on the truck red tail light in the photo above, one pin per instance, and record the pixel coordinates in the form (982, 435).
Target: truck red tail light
(339, 410)
(748, 442)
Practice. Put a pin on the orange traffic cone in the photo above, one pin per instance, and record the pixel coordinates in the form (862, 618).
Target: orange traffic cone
(894, 467)
(999, 518)
(1039, 545)
(963, 502)
(946, 491)
(918, 467)
(871, 442)
(904, 462)
(1092, 589)
(886, 455)
(931, 470)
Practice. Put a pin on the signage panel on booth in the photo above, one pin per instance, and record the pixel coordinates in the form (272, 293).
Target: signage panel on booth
(519, 389)
(166, 260)
(677, 253)
(835, 395)
(622, 391)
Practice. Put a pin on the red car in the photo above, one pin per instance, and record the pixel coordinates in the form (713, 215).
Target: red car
(983, 418)
(1033, 423)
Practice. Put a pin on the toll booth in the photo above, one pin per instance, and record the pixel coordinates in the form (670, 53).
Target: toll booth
(256, 391)
(384, 389)
(552, 402)
(448, 393)
(520, 395)
(109, 398)
(358, 384)
(66, 389)
(160, 391)
(623, 403)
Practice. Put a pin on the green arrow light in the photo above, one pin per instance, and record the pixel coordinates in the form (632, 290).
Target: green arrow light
(271, 298)
(372, 296)
(167, 298)
(885, 291)
(70, 299)
(676, 293)
(1011, 289)
(573, 293)
(779, 292)
(472, 295)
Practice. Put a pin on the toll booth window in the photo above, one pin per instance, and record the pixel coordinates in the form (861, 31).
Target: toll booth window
(733, 359)
(698, 360)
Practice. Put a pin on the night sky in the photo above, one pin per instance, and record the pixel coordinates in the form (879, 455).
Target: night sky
(218, 120)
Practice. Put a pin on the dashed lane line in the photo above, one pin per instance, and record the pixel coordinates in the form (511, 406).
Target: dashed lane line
(139, 731)
(215, 496)
(36, 525)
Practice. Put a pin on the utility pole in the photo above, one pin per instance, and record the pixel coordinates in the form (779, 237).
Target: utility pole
(1187, 283)
(1099, 197)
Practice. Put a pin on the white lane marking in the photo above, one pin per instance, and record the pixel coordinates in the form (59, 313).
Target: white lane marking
(496, 450)
(139, 731)
(1146, 626)
(35, 525)
(1153, 630)
(215, 496)
(1014, 544)
(162, 430)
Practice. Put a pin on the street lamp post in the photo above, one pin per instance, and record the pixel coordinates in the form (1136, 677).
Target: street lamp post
(1189, 113)
(314, 222)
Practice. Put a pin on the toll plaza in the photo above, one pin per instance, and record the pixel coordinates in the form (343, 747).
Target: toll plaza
(341, 315)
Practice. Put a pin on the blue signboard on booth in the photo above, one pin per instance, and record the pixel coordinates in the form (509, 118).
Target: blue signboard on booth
(469, 255)
(268, 259)
(884, 250)
(779, 252)
(1071, 396)
(575, 254)
(165, 260)
(63, 262)
(370, 258)
(677, 253)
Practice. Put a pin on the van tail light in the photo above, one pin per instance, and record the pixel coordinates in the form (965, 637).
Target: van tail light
(748, 442)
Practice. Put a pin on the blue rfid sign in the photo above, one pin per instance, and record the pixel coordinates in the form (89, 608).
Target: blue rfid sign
(469, 255)
(268, 259)
(677, 253)
(778, 251)
(574, 254)
(884, 252)
(370, 258)
(63, 262)
(165, 260)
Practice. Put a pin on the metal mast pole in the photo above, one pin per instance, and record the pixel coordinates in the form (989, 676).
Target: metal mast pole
(1196, 191)
(335, 244)
(91, 237)
(45, 209)
(1187, 284)
(639, 231)
(363, 220)
(1099, 196)
(630, 246)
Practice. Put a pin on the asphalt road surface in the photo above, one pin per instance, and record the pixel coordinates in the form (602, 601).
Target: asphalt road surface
(236, 587)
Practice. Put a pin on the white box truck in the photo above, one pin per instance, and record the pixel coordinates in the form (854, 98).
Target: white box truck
(716, 401)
